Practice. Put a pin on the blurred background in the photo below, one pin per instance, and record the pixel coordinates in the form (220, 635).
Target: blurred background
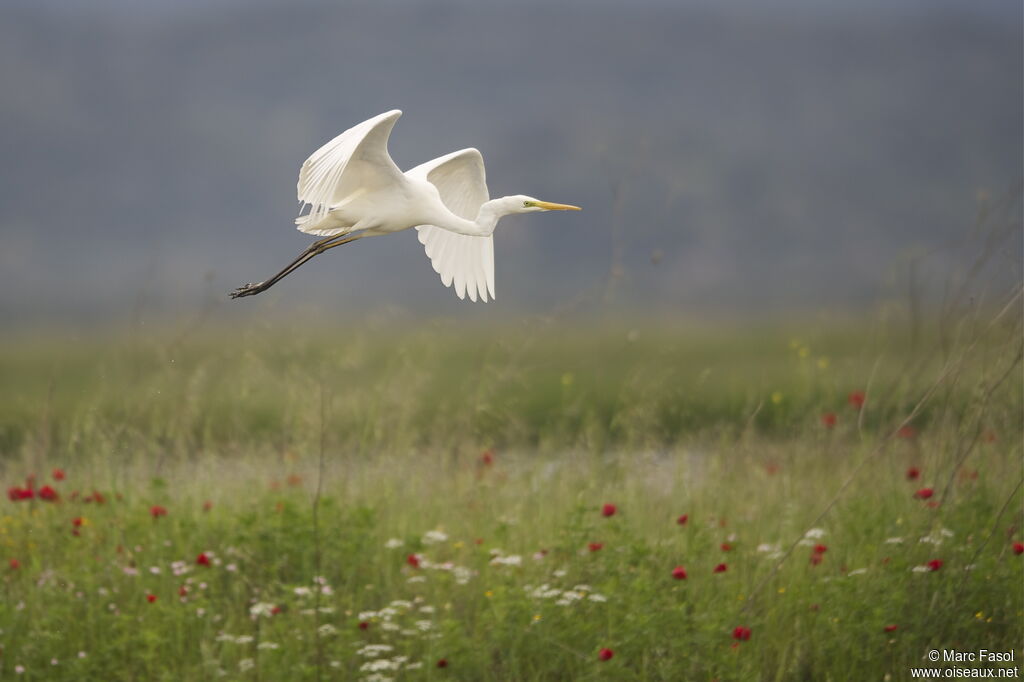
(732, 158)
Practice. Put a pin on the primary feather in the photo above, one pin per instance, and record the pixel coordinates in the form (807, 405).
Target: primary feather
(464, 261)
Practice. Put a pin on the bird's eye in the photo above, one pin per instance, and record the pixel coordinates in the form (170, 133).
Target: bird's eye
(526, 204)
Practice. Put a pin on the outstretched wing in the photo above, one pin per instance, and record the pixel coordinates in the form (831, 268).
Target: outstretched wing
(354, 162)
(463, 261)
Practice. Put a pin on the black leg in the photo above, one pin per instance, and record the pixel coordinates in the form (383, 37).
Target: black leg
(315, 249)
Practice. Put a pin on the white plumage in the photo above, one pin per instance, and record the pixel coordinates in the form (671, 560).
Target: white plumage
(353, 189)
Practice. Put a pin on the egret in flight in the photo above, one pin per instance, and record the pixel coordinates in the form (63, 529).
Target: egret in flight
(354, 190)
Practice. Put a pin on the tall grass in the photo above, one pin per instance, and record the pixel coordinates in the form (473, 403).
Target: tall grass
(429, 502)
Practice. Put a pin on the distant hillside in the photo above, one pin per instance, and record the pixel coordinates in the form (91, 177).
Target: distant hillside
(768, 160)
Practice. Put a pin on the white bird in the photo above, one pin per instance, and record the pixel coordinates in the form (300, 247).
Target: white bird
(354, 190)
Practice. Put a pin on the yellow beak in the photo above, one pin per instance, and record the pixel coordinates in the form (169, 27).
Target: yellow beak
(548, 206)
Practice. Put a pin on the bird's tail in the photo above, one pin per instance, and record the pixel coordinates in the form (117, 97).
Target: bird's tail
(323, 226)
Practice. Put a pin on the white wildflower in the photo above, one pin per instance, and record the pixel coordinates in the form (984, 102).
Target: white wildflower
(326, 630)
(597, 597)
(433, 537)
(510, 560)
(424, 625)
(261, 609)
(267, 645)
(815, 533)
(393, 543)
(374, 650)
(857, 571)
(894, 541)
(246, 664)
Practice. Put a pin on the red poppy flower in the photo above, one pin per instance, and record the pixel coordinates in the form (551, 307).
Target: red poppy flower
(207, 506)
(679, 573)
(726, 547)
(77, 521)
(487, 459)
(741, 633)
(891, 628)
(595, 546)
(816, 559)
(364, 625)
(924, 493)
(413, 560)
(151, 598)
(683, 519)
(58, 474)
(182, 591)
(605, 654)
(202, 559)
(14, 564)
(294, 480)
(935, 564)
(608, 510)
(47, 493)
(1018, 548)
(721, 568)
(907, 431)
(16, 493)
(157, 511)
(913, 473)
(442, 663)
(98, 498)
(829, 420)
(820, 549)
(856, 399)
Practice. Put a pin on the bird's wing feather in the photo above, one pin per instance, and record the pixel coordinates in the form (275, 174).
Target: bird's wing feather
(461, 260)
(355, 161)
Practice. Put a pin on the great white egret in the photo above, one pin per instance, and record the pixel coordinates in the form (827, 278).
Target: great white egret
(355, 190)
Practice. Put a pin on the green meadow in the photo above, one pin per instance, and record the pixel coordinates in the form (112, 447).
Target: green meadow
(826, 499)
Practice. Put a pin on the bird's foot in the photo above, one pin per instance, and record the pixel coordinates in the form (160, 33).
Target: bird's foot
(248, 290)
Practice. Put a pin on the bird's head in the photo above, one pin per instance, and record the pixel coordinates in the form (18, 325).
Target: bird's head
(520, 203)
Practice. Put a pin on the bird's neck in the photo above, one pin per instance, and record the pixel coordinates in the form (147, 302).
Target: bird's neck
(486, 218)
(489, 214)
